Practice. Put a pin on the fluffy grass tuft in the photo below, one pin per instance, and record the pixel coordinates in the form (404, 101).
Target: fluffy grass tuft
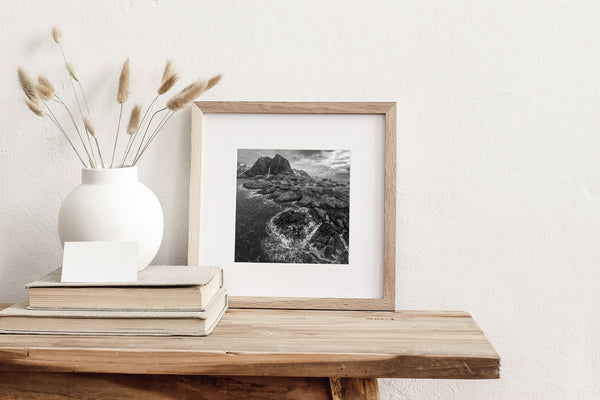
(57, 34)
(123, 92)
(187, 95)
(27, 85)
(167, 84)
(212, 82)
(134, 120)
(35, 107)
(90, 126)
(45, 88)
(72, 71)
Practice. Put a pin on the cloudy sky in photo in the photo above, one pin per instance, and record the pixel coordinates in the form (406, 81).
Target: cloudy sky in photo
(333, 164)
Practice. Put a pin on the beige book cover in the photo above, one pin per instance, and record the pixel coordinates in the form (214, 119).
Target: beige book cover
(19, 319)
(169, 288)
(153, 275)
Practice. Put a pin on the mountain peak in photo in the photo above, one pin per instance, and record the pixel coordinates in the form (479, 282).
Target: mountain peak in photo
(273, 166)
(302, 173)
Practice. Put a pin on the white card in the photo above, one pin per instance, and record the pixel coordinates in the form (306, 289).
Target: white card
(107, 262)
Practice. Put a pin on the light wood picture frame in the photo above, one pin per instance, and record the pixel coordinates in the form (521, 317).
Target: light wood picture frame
(201, 114)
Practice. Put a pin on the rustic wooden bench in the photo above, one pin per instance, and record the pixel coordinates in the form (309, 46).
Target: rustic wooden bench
(266, 354)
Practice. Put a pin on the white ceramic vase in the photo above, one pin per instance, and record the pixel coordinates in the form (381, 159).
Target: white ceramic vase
(112, 205)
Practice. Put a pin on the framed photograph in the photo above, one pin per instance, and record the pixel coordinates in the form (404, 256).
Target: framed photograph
(296, 202)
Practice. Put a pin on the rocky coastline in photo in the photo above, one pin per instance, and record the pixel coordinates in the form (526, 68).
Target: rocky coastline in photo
(313, 224)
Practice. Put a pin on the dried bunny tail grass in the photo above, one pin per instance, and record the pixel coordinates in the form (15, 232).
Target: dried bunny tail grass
(195, 89)
(169, 70)
(134, 120)
(123, 93)
(42, 80)
(167, 84)
(188, 87)
(44, 92)
(169, 78)
(72, 71)
(90, 126)
(187, 95)
(35, 107)
(57, 34)
(27, 85)
(45, 88)
(212, 82)
(175, 103)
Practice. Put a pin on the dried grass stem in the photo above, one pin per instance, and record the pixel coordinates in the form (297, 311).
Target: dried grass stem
(58, 99)
(138, 153)
(53, 118)
(112, 160)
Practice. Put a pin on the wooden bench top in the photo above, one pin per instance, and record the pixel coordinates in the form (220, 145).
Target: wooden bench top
(404, 344)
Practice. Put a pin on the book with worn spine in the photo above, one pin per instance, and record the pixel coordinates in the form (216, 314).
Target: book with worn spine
(18, 318)
(165, 288)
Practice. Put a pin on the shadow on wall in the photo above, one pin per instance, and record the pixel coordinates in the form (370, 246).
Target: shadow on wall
(165, 169)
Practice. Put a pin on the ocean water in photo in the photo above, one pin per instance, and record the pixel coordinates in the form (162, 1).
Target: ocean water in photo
(252, 214)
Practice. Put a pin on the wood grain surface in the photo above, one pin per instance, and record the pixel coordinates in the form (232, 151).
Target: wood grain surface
(354, 389)
(62, 385)
(289, 107)
(406, 344)
(194, 205)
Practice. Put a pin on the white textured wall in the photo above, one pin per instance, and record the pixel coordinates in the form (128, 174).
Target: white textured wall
(499, 148)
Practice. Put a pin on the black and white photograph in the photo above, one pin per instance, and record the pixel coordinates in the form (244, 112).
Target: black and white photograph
(292, 206)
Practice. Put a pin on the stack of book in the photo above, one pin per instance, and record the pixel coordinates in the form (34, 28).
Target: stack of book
(165, 301)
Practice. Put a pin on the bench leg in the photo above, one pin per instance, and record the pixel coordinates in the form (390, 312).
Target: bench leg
(354, 388)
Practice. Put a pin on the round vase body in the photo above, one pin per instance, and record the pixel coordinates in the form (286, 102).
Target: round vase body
(112, 205)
